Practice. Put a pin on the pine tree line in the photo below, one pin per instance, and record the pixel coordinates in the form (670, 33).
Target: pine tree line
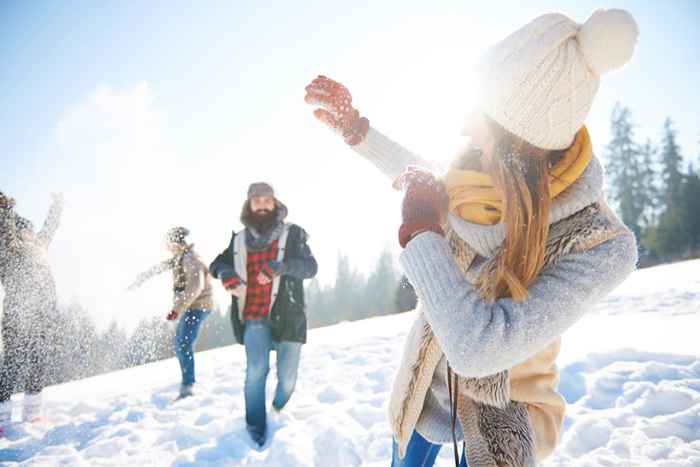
(656, 197)
(354, 296)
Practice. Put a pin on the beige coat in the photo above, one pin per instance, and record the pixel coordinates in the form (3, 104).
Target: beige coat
(195, 290)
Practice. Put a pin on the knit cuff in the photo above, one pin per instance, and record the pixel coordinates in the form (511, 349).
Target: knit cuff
(389, 157)
(406, 231)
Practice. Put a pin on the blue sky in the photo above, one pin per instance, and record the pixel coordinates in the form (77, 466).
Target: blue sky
(151, 114)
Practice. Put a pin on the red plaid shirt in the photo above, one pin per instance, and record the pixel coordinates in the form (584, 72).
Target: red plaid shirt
(258, 297)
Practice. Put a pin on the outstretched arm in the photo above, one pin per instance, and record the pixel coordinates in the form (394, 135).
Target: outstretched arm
(337, 112)
(151, 272)
(53, 219)
(388, 156)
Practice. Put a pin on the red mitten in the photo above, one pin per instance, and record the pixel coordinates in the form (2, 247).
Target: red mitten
(337, 111)
(423, 203)
(172, 316)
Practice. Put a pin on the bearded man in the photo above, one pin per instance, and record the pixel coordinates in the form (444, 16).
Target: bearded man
(263, 268)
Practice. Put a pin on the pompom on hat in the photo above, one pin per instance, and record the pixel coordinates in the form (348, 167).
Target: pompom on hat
(539, 82)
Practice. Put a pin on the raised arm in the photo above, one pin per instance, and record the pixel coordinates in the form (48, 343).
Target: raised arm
(151, 272)
(337, 112)
(52, 221)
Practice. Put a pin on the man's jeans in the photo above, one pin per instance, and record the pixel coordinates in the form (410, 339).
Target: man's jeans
(419, 453)
(258, 344)
(185, 338)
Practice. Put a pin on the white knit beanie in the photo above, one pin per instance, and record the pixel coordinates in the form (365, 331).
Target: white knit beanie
(539, 82)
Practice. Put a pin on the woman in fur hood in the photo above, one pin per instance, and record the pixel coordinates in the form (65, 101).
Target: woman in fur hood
(192, 299)
(506, 250)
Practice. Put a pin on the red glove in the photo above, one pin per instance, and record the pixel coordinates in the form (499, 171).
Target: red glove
(172, 316)
(423, 203)
(337, 112)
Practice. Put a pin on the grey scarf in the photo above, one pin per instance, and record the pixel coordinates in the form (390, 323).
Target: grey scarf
(257, 240)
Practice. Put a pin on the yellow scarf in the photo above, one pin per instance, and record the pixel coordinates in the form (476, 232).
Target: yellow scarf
(474, 198)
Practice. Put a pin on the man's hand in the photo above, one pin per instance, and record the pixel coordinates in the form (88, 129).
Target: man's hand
(262, 278)
(336, 109)
(269, 271)
(234, 285)
(238, 292)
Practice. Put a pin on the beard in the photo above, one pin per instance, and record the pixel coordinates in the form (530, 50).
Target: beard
(262, 220)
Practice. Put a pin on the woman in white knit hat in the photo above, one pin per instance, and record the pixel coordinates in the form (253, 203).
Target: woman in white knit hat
(192, 299)
(508, 249)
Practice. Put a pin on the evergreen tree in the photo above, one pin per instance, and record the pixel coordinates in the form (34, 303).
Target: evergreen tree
(648, 184)
(672, 237)
(625, 171)
(111, 347)
(317, 310)
(671, 172)
(690, 195)
(151, 341)
(349, 287)
(381, 285)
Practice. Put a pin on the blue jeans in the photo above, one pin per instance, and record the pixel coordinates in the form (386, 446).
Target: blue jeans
(419, 453)
(258, 344)
(185, 338)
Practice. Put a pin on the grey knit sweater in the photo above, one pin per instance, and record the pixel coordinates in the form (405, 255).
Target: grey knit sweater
(480, 338)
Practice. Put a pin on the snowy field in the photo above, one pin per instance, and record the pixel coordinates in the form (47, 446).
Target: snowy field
(630, 371)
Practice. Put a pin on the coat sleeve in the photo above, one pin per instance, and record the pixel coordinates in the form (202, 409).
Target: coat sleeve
(222, 267)
(303, 266)
(388, 156)
(51, 223)
(151, 272)
(481, 338)
(194, 284)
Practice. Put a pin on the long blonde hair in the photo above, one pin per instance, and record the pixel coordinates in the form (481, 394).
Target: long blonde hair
(520, 171)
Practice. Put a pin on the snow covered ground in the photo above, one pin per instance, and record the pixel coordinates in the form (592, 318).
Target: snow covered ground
(630, 370)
